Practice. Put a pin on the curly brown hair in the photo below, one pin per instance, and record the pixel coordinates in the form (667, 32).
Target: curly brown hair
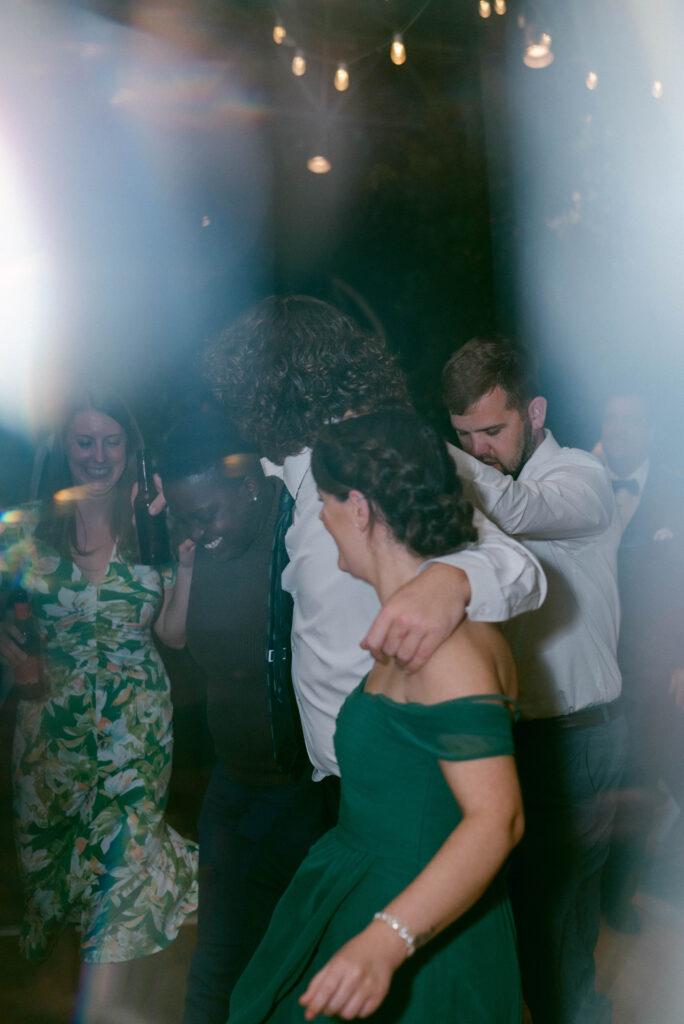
(292, 364)
(401, 465)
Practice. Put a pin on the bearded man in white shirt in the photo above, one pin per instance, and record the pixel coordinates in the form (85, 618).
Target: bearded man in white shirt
(572, 735)
(282, 371)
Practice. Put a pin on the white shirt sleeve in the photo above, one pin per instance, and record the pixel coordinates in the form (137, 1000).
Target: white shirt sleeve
(505, 578)
(572, 498)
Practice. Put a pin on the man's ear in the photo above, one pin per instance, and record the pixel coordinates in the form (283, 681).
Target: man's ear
(536, 412)
(360, 509)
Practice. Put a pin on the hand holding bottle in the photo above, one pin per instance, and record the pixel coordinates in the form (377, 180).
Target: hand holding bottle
(21, 649)
(153, 538)
(157, 507)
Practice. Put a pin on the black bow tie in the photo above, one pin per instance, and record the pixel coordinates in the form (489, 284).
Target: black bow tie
(630, 485)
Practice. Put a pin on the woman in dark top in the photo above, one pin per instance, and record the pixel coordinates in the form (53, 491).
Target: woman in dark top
(219, 498)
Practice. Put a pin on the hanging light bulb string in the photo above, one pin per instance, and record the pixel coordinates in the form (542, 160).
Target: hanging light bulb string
(307, 55)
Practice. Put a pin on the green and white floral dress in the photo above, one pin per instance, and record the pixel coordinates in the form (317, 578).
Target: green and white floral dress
(92, 761)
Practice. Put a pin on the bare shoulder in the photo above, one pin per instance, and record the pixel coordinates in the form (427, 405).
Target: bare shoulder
(475, 659)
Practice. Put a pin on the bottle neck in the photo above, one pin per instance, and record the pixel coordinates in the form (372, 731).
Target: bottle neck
(144, 480)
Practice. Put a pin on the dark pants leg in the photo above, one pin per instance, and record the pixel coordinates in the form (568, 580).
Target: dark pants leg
(276, 858)
(233, 819)
(569, 780)
(652, 730)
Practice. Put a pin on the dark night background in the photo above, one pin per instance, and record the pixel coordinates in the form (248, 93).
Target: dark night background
(161, 147)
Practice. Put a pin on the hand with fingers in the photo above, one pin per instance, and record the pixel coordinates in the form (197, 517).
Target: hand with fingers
(29, 670)
(158, 504)
(357, 978)
(11, 653)
(419, 616)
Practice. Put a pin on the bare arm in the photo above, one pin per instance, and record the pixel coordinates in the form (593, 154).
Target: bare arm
(170, 623)
(355, 981)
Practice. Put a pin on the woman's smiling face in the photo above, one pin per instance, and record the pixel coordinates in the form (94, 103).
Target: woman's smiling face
(219, 513)
(97, 451)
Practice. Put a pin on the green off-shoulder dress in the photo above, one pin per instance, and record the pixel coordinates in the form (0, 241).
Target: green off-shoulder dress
(396, 811)
(92, 761)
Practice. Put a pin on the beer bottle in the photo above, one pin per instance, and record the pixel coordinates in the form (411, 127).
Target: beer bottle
(153, 538)
(27, 675)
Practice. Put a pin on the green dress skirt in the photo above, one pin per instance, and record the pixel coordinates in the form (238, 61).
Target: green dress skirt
(92, 762)
(396, 811)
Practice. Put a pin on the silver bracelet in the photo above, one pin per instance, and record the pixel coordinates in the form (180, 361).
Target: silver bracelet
(401, 930)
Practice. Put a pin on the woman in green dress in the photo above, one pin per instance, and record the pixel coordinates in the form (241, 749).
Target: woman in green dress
(92, 751)
(430, 805)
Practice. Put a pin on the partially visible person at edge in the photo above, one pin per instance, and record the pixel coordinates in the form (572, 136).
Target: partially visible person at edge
(570, 744)
(650, 499)
(430, 803)
(219, 498)
(92, 752)
(283, 371)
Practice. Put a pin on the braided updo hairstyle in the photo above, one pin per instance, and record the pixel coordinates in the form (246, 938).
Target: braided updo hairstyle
(402, 467)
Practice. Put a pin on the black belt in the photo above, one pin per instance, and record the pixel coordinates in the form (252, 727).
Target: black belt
(600, 714)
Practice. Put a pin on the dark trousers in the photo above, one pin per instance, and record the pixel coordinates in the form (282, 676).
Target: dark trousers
(654, 753)
(569, 780)
(277, 857)
(252, 840)
(233, 819)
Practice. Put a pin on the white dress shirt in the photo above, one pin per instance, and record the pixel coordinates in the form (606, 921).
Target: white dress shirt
(563, 509)
(333, 611)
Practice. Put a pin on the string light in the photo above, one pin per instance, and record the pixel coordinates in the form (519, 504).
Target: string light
(500, 6)
(397, 50)
(657, 90)
(538, 54)
(485, 8)
(341, 80)
(591, 81)
(279, 32)
(318, 165)
(298, 64)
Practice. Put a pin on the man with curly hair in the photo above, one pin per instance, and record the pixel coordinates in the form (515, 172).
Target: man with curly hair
(285, 369)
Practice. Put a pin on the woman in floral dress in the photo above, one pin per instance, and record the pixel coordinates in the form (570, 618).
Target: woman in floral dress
(92, 755)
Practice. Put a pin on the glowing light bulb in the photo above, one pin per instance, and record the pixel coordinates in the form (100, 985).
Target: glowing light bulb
(485, 8)
(318, 165)
(657, 90)
(341, 80)
(298, 64)
(591, 81)
(500, 6)
(397, 50)
(538, 53)
(279, 32)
